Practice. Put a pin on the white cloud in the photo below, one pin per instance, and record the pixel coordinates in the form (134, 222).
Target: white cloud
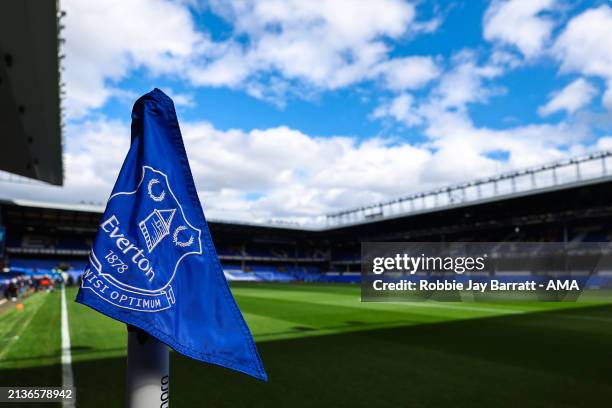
(106, 40)
(607, 97)
(323, 45)
(92, 157)
(502, 58)
(604, 143)
(408, 72)
(297, 174)
(181, 100)
(332, 174)
(401, 109)
(291, 174)
(464, 83)
(524, 145)
(584, 47)
(519, 23)
(281, 172)
(585, 43)
(574, 96)
(276, 47)
(463, 150)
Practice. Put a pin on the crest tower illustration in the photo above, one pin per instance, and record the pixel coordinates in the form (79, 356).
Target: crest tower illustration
(156, 226)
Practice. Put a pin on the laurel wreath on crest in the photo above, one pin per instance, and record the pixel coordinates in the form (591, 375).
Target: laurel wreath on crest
(150, 190)
(176, 241)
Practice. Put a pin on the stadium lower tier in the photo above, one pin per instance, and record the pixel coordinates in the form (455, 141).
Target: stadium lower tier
(73, 268)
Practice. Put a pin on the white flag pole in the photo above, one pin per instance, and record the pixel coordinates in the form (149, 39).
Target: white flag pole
(148, 380)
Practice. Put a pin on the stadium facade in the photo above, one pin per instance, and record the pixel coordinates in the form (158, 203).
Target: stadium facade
(574, 205)
(31, 91)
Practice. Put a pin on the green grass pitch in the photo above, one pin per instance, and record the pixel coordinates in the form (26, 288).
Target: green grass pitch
(322, 347)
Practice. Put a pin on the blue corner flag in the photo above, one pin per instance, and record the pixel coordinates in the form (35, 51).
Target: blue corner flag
(153, 264)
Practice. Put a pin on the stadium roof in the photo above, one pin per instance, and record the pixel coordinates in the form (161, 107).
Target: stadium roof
(30, 118)
(56, 206)
(560, 175)
(98, 209)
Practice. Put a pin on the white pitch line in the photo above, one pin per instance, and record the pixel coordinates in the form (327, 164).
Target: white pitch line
(67, 377)
(2, 301)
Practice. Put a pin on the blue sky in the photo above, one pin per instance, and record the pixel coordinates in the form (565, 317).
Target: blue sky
(291, 109)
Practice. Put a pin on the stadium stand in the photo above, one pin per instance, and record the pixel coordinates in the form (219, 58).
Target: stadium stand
(48, 236)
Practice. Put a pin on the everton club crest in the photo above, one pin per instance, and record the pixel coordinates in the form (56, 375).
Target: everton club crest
(143, 238)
